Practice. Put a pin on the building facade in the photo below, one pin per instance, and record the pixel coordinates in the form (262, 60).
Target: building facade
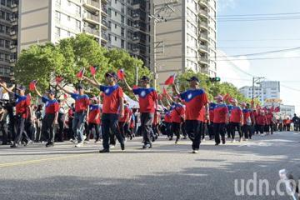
(8, 37)
(265, 91)
(51, 20)
(128, 26)
(185, 39)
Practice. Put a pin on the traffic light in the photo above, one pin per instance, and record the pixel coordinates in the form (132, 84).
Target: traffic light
(215, 79)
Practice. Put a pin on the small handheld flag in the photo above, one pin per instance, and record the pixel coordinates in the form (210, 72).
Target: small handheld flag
(32, 85)
(80, 73)
(58, 79)
(93, 70)
(121, 74)
(135, 87)
(170, 80)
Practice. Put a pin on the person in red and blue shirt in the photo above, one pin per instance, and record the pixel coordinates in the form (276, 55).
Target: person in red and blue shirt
(112, 109)
(82, 103)
(22, 110)
(194, 99)
(221, 115)
(148, 105)
(247, 121)
(94, 118)
(212, 106)
(51, 115)
(236, 120)
(177, 117)
(124, 121)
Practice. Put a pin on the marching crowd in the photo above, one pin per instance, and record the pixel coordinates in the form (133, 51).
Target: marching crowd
(108, 117)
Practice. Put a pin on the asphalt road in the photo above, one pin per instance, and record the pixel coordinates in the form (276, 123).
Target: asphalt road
(167, 171)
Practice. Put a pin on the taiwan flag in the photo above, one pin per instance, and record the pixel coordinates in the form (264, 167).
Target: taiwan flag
(58, 79)
(170, 80)
(80, 73)
(121, 74)
(277, 109)
(32, 85)
(93, 70)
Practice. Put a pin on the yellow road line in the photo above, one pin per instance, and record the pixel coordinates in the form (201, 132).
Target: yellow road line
(28, 162)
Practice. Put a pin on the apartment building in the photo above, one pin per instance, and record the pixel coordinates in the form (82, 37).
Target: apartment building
(51, 20)
(8, 37)
(127, 27)
(187, 37)
(265, 91)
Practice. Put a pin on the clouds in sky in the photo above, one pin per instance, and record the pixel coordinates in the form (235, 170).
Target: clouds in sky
(230, 69)
(225, 4)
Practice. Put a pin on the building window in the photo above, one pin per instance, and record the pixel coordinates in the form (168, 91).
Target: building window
(1, 43)
(7, 44)
(78, 11)
(57, 32)
(116, 14)
(123, 19)
(116, 26)
(57, 16)
(3, 2)
(78, 24)
(2, 15)
(116, 39)
(123, 44)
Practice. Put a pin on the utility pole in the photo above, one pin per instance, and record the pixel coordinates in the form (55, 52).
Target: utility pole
(156, 17)
(254, 81)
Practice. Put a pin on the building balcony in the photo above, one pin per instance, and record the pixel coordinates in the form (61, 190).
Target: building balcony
(94, 19)
(104, 38)
(204, 37)
(136, 26)
(91, 5)
(204, 13)
(91, 31)
(104, 24)
(14, 21)
(135, 16)
(136, 39)
(204, 48)
(204, 25)
(204, 60)
(204, 3)
(14, 7)
(104, 11)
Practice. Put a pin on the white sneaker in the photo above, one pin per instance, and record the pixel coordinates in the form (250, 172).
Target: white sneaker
(84, 137)
(112, 146)
(80, 144)
(233, 141)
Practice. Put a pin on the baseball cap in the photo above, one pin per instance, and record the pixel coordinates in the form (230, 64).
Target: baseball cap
(79, 87)
(21, 87)
(193, 78)
(110, 74)
(219, 97)
(51, 92)
(145, 78)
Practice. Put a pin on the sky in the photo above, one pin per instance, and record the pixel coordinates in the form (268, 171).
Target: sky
(237, 39)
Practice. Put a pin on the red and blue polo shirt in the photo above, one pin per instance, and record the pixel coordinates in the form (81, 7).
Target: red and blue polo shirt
(177, 113)
(236, 114)
(220, 113)
(127, 113)
(81, 102)
(247, 116)
(94, 114)
(52, 106)
(111, 99)
(194, 101)
(147, 99)
(22, 104)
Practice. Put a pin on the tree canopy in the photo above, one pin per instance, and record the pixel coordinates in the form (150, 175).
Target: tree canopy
(46, 61)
